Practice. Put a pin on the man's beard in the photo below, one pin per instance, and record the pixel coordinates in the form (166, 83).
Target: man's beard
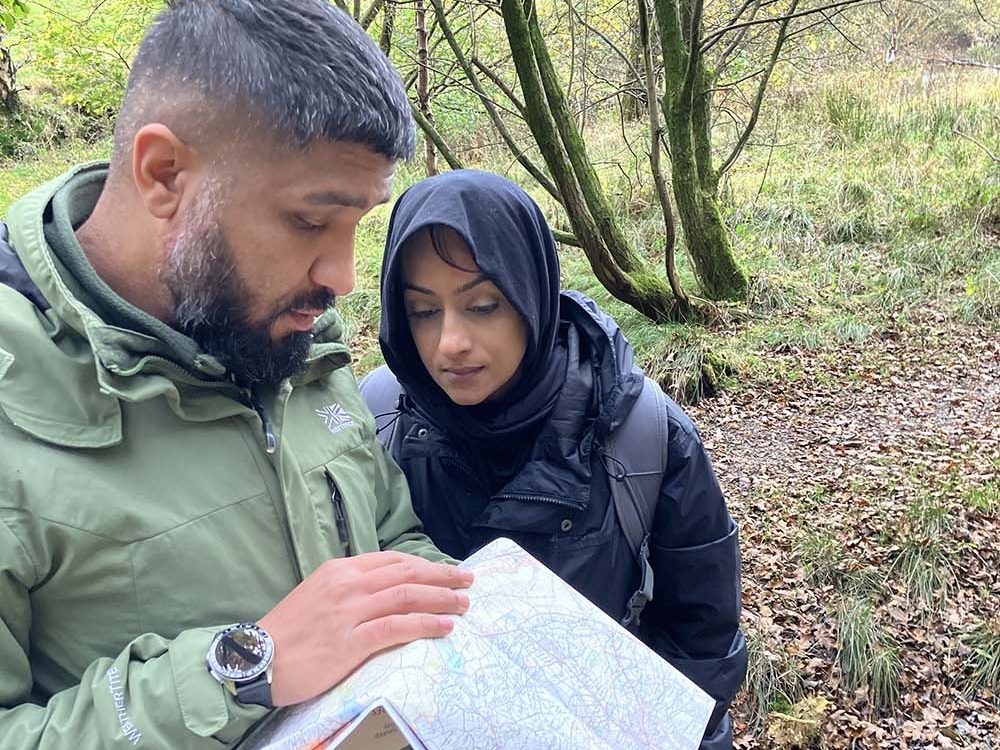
(212, 305)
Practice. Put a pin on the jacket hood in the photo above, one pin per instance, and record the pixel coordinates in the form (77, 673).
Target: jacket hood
(511, 244)
(618, 380)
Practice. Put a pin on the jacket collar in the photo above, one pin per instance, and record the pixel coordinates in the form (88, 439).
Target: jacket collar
(48, 319)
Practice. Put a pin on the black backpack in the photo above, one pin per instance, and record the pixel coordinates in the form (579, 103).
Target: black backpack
(634, 457)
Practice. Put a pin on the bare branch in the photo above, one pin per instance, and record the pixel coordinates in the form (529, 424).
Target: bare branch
(431, 132)
(499, 83)
(368, 17)
(761, 90)
(614, 47)
(736, 41)
(489, 106)
(715, 36)
(959, 133)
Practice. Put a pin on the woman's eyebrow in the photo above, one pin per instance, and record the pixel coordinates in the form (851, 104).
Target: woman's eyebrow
(472, 284)
(420, 289)
(460, 290)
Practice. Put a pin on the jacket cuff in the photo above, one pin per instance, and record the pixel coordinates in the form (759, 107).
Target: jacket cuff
(208, 709)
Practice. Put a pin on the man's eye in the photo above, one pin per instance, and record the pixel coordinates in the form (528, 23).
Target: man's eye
(307, 226)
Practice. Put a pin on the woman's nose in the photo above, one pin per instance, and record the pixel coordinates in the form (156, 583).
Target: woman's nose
(454, 336)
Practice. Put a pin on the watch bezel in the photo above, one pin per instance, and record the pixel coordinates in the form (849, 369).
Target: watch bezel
(241, 677)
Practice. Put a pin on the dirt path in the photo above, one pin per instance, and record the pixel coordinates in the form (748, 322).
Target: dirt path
(871, 452)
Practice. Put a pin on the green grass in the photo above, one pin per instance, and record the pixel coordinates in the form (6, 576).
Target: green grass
(982, 665)
(19, 176)
(867, 653)
(924, 569)
(985, 498)
(822, 557)
(774, 679)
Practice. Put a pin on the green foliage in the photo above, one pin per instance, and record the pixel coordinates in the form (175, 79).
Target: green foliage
(81, 52)
(38, 125)
(10, 12)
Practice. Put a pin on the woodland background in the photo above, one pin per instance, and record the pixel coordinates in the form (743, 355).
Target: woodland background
(809, 259)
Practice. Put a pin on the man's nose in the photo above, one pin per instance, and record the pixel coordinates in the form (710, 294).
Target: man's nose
(334, 268)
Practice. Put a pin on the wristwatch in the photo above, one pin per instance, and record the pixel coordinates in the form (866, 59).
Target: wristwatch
(240, 658)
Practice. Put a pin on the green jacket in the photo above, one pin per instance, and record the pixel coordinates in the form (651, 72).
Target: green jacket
(140, 511)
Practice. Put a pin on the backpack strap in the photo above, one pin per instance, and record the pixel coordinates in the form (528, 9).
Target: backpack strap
(381, 392)
(635, 459)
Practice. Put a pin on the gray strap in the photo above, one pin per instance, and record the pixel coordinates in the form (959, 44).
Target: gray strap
(636, 459)
(381, 391)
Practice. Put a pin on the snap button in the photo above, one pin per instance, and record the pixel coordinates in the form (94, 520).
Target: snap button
(422, 433)
(566, 525)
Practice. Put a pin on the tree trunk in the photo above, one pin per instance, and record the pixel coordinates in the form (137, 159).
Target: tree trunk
(423, 99)
(685, 105)
(655, 147)
(9, 99)
(636, 286)
(576, 151)
(388, 25)
(633, 103)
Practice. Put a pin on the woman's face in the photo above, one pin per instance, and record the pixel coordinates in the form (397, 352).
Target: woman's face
(468, 336)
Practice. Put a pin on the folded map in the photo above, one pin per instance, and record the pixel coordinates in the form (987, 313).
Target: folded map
(533, 665)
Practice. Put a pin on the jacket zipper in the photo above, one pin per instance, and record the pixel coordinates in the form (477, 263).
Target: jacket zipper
(539, 499)
(340, 517)
(270, 441)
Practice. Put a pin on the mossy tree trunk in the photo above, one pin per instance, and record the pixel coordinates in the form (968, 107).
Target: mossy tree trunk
(685, 106)
(423, 88)
(552, 125)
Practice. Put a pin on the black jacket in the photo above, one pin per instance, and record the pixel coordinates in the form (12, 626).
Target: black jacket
(562, 513)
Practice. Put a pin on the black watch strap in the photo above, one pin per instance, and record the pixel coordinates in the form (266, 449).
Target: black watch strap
(256, 692)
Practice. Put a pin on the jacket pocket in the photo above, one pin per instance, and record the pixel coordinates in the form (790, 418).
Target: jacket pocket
(350, 497)
(697, 593)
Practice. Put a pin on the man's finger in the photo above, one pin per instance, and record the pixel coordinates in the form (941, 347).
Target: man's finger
(413, 597)
(396, 630)
(411, 569)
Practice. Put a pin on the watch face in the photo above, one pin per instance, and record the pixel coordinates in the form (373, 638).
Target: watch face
(241, 653)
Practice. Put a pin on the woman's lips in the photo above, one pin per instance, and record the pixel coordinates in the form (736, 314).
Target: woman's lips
(461, 375)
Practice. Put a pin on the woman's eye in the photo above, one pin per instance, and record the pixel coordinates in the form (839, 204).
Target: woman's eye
(422, 314)
(484, 309)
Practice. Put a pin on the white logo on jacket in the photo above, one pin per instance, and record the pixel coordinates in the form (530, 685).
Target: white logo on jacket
(335, 418)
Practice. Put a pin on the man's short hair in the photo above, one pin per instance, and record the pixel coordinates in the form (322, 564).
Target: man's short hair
(295, 70)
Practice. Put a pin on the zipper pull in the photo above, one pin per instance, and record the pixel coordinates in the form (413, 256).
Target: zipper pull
(340, 517)
(270, 441)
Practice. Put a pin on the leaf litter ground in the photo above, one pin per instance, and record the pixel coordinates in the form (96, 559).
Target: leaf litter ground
(875, 450)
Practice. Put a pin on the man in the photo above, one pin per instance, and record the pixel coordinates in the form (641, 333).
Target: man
(192, 499)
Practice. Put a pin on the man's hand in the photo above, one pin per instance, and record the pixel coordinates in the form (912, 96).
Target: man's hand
(353, 607)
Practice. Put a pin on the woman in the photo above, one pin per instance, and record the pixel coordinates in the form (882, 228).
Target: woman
(498, 401)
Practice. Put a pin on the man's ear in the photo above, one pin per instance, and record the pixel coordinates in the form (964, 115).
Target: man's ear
(162, 169)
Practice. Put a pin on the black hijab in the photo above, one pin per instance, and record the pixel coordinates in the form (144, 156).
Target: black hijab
(512, 244)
